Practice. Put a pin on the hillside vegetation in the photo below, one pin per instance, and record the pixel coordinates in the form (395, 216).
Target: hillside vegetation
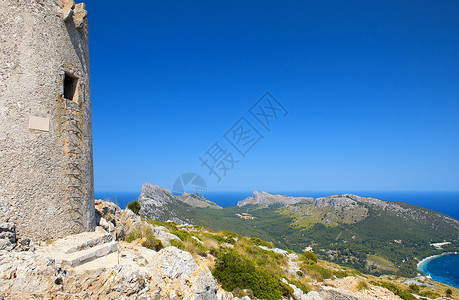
(373, 236)
(253, 267)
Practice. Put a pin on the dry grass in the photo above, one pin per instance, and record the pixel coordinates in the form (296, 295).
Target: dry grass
(362, 285)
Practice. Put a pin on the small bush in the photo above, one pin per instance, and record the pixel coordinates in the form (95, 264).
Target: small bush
(300, 285)
(414, 288)
(341, 274)
(260, 242)
(243, 293)
(317, 272)
(134, 206)
(362, 285)
(230, 234)
(230, 240)
(398, 291)
(195, 247)
(153, 243)
(178, 244)
(181, 235)
(189, 243)
(309, 257)
(149, 239)
(299, 273)
(216, 251)
(156, 223)
(429, 294)
(136, 234)
(449, 292)
(235, 271)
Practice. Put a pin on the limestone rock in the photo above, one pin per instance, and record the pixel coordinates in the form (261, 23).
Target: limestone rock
(104, 224)
(140, 274)
(174, 263)
(23, 273)
(67, 11)
(224, 295)
(334, 293)
(107, 207)
(79, 15)
(5, 244)
(299, 295)
(124, 222)
(313, 295)
(203, 284)
(8, 231)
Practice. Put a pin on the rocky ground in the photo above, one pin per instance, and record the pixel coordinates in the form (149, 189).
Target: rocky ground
(101, 265)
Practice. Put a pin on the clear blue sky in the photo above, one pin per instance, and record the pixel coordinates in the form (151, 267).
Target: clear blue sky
(371, 89)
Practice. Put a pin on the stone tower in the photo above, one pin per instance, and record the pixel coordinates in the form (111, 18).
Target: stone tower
(46, 169)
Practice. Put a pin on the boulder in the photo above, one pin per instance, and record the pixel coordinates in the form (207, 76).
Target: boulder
(331, 293)
(173, 263)
(8, 231)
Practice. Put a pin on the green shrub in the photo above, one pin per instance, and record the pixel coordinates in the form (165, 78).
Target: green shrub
(189, 244)
(260, 242)
(178, 244)
(234, 271)
(153, 243)
(181, 234)
(230, 240)
(230, 234)
(398, 291)
(317, 272)
(299, 273)
(414, 288)
(216, 251)
(341, 274)
(134, 206)
(300, 285)
(449, 292)
(429, 294)
(242, 293)
(195, 247)
(136, 234)
(150, 241)
(309, 257)
(156, 223)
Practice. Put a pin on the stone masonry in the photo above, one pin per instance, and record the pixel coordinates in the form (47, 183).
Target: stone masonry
(46, 168)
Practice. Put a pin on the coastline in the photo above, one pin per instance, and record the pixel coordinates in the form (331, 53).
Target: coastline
(432, 257)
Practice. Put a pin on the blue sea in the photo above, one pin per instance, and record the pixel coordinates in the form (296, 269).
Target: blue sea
(443, 268)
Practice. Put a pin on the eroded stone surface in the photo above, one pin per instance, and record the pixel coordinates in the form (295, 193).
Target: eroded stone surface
(142, 273)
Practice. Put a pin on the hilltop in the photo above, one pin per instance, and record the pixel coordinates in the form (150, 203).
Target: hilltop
(162, 205)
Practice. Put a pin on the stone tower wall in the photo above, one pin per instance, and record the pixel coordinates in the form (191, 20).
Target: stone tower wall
(46, 169)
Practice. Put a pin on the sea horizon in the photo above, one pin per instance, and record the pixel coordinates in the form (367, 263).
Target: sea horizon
(426, 199)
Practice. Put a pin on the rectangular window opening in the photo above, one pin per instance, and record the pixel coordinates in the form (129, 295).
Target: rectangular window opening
(70, 84)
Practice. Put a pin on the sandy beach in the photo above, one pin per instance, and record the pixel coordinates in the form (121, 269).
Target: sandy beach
(432, 257)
